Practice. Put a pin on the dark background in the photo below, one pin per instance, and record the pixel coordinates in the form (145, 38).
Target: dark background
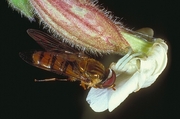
(22, 98)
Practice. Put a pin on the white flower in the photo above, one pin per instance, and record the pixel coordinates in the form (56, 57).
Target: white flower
(134, 71)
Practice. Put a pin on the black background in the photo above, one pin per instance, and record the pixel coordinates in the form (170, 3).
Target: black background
(22, 98)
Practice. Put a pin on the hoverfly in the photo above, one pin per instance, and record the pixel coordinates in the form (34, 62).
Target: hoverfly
(62, 59)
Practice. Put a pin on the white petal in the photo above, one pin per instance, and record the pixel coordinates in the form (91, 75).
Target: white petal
(150, 68)
(137, 73)
(98, 99)
(157, 59)
(125, 85)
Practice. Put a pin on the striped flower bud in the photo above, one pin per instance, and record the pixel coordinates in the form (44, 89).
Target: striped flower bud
(81, 24)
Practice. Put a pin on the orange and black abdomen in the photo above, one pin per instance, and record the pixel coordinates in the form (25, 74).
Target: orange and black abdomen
(44, 59)
(55, 62)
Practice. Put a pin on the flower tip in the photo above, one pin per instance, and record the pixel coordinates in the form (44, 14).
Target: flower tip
(97, 99)
(147, 31)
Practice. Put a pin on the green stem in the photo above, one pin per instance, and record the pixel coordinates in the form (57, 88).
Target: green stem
(22, 6)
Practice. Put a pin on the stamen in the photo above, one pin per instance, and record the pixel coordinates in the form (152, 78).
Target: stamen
(123, 61)
(123, 58)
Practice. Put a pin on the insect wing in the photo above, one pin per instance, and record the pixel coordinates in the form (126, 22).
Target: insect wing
(48, 42)
(56, 49)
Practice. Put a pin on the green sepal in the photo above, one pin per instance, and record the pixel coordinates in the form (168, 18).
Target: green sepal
(24, 7)
(138, 43)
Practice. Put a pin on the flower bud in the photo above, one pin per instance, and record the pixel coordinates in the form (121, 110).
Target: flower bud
(81, 24)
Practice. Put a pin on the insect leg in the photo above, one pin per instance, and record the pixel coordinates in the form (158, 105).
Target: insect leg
(50, 79)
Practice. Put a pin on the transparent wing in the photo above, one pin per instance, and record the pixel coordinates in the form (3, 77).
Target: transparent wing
(48, 42)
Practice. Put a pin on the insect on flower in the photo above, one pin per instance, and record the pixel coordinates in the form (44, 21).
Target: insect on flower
(64, 60)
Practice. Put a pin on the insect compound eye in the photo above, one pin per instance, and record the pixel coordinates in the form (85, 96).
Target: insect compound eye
(109, 81)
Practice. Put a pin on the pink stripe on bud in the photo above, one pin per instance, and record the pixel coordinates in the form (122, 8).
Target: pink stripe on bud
(82, 24)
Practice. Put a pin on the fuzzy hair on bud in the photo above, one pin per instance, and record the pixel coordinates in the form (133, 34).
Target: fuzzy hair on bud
(81, 24)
